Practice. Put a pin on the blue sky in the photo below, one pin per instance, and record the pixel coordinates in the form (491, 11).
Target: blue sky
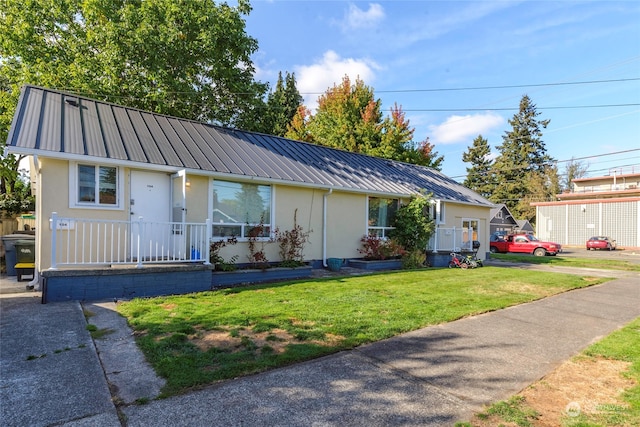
(408, 51)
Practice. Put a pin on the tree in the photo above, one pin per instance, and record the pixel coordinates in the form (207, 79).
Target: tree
(282, 105)
(542, 187)
(349, 118)
(573, 170)
(185, 58)
(16, 197)
(479, 171)
(522, 153)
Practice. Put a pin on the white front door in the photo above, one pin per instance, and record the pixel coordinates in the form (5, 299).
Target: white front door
(151, 200)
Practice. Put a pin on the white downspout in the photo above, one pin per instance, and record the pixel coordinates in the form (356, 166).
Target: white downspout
(324, 226)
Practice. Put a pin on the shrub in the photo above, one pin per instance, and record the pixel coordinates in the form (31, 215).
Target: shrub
(413, 227)
(291, 243)
(375, 248)
(257, 256)
(216, 259)
(414, 259)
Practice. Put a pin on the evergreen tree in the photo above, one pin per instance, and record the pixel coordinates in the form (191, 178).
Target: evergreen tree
(522, 154)
(478, 174)
(282, 105)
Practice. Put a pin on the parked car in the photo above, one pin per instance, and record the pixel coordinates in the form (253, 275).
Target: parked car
(601, 242)
(524, 243)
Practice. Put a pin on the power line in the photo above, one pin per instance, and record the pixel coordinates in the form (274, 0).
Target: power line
(504, 87)
(555, 162)
(565, 107)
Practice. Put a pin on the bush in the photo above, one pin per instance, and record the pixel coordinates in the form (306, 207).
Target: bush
(414, 259)
(413, 227)
(292, 243)
(216, 259)
(375, 248)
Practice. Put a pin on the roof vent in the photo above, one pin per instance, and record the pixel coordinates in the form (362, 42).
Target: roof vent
(71, 101)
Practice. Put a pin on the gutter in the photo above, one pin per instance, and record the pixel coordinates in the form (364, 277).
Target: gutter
(324, 226)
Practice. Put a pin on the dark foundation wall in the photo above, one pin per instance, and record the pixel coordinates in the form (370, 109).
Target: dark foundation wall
(123, 283)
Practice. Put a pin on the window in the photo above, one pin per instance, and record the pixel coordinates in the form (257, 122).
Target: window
(95, 186)
(239, 209)
(437, 211)
(469, 232)
(381, 214)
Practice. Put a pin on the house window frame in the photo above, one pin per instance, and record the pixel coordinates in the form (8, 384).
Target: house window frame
(437, 212)
(465, 231)
(74, 190)
(243, 226)
(379, 231)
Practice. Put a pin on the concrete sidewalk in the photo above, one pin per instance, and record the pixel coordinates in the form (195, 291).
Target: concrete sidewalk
(431, 377)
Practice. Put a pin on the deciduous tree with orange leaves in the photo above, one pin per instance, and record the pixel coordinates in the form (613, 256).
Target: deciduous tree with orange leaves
(350, 118)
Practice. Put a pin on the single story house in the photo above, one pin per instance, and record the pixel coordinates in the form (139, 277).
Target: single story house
(116, 185)
(606, 205)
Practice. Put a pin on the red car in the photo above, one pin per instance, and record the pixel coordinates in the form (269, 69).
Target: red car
(601, 242)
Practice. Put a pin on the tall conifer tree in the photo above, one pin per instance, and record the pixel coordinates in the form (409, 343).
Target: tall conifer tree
(522, 154)
(478, 174)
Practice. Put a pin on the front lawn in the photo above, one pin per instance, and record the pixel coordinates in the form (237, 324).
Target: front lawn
(196, 339)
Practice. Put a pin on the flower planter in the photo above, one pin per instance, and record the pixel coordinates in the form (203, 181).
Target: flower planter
(221, 279)
(376, 265)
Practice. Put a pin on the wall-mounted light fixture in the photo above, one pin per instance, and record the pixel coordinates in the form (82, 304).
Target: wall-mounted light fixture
(187, 183)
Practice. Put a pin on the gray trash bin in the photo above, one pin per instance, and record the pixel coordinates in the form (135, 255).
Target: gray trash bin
(9, 241)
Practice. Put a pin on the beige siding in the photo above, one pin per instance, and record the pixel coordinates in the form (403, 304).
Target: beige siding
(52, 191)
(456, 212)
(346, 215)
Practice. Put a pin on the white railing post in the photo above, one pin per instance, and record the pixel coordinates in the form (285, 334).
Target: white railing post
(140, 231)
(206, 240)
(54, 227)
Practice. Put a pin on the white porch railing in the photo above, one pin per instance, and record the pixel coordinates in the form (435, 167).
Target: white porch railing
(451, 239)
(89, 242)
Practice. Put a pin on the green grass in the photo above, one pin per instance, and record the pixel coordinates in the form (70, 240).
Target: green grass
(559, 260)
(317, 317)
(624, 345)
(513, 410)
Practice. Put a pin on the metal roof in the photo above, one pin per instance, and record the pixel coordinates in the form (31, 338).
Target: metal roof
(50, 123)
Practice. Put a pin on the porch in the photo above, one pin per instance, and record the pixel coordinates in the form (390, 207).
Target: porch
(101, 259)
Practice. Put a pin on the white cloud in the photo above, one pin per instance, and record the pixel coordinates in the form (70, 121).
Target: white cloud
(313, 80)
(357, 18)
(457, 129)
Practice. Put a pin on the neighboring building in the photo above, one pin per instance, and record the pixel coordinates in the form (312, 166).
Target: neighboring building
(525, 226)
(502, 221)
(98, 162)
(598, 206)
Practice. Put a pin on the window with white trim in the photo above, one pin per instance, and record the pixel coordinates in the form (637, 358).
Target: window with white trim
(95, 186)
(437, 211)
(469, 232)
(240, 209)
(381, 214)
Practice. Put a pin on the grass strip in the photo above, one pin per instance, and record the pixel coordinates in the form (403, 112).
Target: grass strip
(623, 345)
(560, 261)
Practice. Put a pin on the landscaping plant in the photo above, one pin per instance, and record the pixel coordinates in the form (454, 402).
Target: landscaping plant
(291, 243)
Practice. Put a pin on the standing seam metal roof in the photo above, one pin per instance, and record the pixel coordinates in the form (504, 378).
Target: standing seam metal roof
(54, 123)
